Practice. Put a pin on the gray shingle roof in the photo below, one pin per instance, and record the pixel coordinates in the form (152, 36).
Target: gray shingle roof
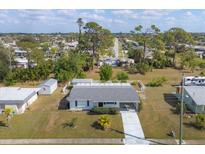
(197, 93)
(104, 93)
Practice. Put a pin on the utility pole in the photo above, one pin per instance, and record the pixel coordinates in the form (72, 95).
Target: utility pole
(181, 112)
(10, 59)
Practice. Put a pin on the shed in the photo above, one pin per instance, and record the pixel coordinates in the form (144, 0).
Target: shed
(48, 87)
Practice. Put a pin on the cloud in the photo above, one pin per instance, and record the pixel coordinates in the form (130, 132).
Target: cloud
(189, 13)
(125, 13)
(99, 11)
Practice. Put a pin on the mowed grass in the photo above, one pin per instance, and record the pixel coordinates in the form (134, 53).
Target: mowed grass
(157, 117)
(44, 120)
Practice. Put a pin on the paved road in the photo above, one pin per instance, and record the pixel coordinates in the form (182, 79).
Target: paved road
(132, 128)
(80, 141)
(116, 48)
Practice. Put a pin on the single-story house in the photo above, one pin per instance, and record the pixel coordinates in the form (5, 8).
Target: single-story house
(194, 97)
(119, 95)
(17, 98)
(48, 87)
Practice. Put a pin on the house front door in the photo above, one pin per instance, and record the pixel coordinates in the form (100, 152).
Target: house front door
(100, 104)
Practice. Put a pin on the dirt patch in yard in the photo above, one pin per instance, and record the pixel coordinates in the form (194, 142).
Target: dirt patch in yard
(52, 122)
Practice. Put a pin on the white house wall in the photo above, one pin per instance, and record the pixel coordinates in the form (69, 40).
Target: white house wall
(82, 105)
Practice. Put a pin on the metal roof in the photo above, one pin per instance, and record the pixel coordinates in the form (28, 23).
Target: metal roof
(82, 81)
(15, 95)
(104, 93)
(197, 93)
(48, 82)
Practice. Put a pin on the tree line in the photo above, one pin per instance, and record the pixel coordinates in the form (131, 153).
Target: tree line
(94, 40)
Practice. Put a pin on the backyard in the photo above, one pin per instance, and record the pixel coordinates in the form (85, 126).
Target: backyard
(44, 120)
(157, 117)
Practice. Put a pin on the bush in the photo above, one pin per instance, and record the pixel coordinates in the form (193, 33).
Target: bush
(115, 81)
(70, 124)
(105, 72)
(134, 83)
(200, 121)
(132, 69)
(202, 73)
(9, 80)
(156, 82)
(104, 110)
(122, 76)
(104, 122)
(142, 68)
(113, 111)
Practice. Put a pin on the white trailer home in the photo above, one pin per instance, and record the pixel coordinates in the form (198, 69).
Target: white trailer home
(48, 87)
(16, 98)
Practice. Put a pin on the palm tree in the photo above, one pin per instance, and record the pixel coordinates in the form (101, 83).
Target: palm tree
(80, 24)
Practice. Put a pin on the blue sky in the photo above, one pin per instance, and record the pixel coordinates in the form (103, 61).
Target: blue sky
(46, 21)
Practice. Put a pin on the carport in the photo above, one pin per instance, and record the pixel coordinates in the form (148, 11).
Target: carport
(126, 106)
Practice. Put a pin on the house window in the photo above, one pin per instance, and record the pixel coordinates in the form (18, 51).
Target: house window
(110, 103)
(88, 103)
(76, 103)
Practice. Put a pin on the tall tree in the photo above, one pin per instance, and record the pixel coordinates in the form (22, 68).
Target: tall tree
(80, 24)
(146, 35)
(96, 39)
(174, 37)
(4, 62)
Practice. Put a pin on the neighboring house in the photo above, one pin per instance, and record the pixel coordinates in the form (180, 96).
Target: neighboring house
(85, 96)
(109, 61)
(17, 98)
(21, 62)
(199, 50)
(20, 53)
(194, 97)
(48, 87)
(71, 45)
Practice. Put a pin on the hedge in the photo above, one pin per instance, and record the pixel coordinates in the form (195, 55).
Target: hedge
(104, 110)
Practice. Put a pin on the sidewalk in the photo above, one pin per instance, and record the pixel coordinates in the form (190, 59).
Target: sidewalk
(132, 128)
(82, 141)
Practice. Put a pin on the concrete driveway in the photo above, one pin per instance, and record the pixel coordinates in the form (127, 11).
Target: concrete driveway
(132, 128)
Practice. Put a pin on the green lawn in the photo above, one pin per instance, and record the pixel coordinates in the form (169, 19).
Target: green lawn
(44, 120)
(157, 116)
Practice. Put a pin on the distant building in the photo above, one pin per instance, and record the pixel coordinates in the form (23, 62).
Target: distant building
(21, 62)
(20, 53)
(71, 45)
(109, 61)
